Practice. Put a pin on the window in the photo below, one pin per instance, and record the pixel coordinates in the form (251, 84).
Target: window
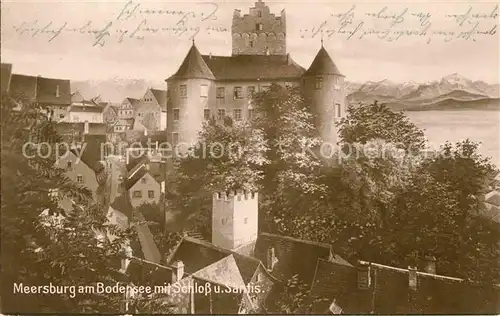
(143, 180)
(319, 83)
(221, 113)
(259, 14)
(151, 194)
(237, 114)
(204, 91)
(223, 221)
(221, 92)
(251, 90)
(251, 43)
(69, 164)
(237, 93)
(79, 178)
(258, 27)
(206, 114)
(61, 115)
(250, 114)
(176, 114)
(175, 138)
(76, 118)
(137, 194)
(246, 220)
(258, 278)
(94, 118)
(338, 110)
(183, 91)
(288, 84)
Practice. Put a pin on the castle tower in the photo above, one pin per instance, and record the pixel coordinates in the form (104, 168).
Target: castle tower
(259, 32)
(235, 218)
(189, 92)
(323, 87)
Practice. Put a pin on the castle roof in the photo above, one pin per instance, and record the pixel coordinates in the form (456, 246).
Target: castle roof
(47, 89)
(253, 67)
(193, 67)
(323, 65)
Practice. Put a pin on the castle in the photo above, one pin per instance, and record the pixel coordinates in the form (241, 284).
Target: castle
(206, 86)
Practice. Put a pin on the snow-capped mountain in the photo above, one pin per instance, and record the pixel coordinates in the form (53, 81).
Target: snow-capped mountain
(454, 88)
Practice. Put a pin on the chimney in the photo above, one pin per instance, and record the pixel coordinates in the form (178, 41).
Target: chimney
(210, 55)
(412, 278)
(364, 276)
(57, 91)
(430, 264)
(177, 271)
(86, 127)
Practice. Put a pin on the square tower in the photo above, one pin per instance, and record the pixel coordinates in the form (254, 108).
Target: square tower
(234, 219)
(260, 32)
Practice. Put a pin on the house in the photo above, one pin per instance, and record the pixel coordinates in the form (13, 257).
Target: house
(74, 132)
(371, 288)
(128, 107)
(23, 88)
(77, 98)
(206, 86)
(84, 162)
(6, 75)
(122, 125)
(84, 113)
(109, 112)
(55, 95)
(143, 187)
(152, 110)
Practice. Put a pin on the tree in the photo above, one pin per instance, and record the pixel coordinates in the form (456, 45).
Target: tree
(224, 159)
(376, 121)
(35, 249)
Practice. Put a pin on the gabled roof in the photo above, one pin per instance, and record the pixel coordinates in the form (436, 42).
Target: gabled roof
(193, 67)
(47, 89)
(92, 154)
(6, 74)
(254, 67)
(323, 65)
(224, 271)
(122, 204)
(135, 103)
(148, 245)
(161, 98)
(24, 87)
(143, 271)
(136, 177)
(197, 254)
(493, 198)
(287, 250)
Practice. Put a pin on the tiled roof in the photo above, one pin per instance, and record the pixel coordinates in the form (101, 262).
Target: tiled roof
(136, 160)
(197, 254)
(47, 91)
(493, 198)
(323, 65)
(83, 108)
(287, 250)
(67, 127)
(92, 152)
(136, 177)
(136, 103)
(161, 98)
(125, 122)
(24, 87)
(122, 204)
(224, 271)
(254, 67)
(193, 67)
(6, 74)
(434, 294)
(148, 245)
(143, 272)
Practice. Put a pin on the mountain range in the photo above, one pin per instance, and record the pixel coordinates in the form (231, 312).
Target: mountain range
(450, 92)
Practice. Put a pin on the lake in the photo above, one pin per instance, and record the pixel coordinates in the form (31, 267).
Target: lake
(479, 126)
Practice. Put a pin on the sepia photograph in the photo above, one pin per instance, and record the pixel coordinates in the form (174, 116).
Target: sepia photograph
(250, 157)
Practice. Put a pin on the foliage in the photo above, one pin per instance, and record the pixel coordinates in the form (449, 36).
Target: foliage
(376, 121)
(35, 249)
(294, 298)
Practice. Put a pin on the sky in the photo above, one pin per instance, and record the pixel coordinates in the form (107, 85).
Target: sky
(99, 40)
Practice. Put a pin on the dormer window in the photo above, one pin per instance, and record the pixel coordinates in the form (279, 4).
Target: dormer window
(258, 27)
(57, 91)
